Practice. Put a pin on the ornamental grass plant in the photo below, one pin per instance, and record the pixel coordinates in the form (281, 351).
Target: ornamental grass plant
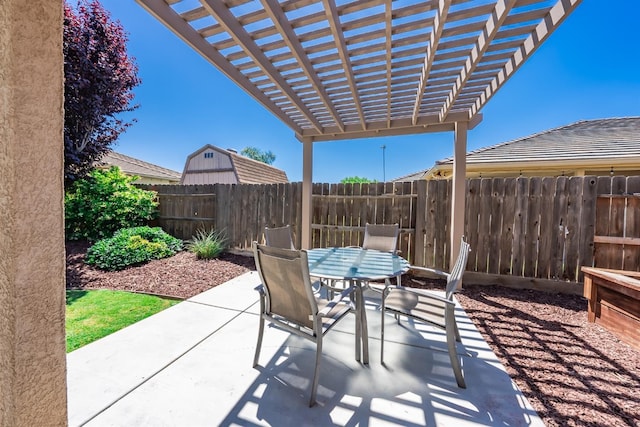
(207, 244)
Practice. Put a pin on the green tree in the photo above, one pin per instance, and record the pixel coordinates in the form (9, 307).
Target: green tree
(256, 154)
(357, 180)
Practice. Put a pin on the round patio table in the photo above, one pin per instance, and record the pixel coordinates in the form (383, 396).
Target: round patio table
(358, 266)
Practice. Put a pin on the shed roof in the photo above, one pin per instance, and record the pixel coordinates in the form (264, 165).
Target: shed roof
(248, 171)
(251, 171)
(345, 69)
(133, 166)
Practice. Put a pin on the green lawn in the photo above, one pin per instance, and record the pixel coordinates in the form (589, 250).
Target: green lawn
(94, 314)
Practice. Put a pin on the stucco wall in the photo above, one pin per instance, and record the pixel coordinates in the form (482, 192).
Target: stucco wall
(32, 349)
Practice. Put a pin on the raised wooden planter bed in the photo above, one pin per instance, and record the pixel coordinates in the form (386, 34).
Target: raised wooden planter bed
(614, 301)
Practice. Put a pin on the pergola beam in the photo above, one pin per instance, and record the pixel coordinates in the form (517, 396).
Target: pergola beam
(426, 124)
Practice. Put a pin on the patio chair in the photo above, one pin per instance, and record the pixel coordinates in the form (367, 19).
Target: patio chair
(430, 308)
(279, 237)
(380, 237)
(287, 300)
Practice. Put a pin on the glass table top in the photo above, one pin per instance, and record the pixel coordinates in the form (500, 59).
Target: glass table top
(355, 263)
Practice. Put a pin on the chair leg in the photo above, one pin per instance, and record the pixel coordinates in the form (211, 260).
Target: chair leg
(382, 334)
(316, 371)
(259, 344)
(450, 329)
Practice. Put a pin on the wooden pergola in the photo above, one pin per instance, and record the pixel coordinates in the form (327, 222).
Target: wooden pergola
(338, 70)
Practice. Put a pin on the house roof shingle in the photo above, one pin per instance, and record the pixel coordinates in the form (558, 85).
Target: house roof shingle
(133, 166)
(585, 139)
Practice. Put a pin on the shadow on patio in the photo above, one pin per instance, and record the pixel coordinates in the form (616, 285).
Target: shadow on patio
(191, 365)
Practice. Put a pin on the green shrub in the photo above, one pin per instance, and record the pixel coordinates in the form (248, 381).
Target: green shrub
(131, 246)
(104, 202)
(207, 244)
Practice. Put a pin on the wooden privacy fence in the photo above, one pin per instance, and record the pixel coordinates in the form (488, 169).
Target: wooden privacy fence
(541, 228)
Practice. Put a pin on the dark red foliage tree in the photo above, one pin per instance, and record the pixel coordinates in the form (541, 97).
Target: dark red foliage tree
(99, 81)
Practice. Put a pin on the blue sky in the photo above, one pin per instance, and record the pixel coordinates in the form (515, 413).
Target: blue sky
(589, 68)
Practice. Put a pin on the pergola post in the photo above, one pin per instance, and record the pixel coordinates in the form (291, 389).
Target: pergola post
(459, 188)
(307, 189)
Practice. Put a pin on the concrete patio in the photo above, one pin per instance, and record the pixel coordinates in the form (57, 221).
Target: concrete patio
(190, 365)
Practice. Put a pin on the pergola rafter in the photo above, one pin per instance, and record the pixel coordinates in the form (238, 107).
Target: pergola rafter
(549, 23)
(434, 38)
(275, 12)
(243, 40)
(493, 24)
(334, 24)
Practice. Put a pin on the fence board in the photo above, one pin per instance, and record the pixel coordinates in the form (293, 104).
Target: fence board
(484, 225)
(356, 221)
(631, 253)
(472, 207)
(519, 225)
(532, 230)
(497, 208)
(546, 227)
(506, 234)
(420, 226)
(431, 223)
(587, 223)
(332, 219)
(558, 231)
(440, 221)
(618, 185)
(406, 211)
(295, 198)
(574, 202)
(324, 217)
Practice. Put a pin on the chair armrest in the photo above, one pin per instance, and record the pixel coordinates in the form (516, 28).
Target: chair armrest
(428, 295)
(327, 308)
(430, 270)
(419, 292)
(329, 284)
(260, 289)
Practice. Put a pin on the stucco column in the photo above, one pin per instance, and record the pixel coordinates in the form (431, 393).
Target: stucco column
(307, 189)
(32, 267)
(459, 189)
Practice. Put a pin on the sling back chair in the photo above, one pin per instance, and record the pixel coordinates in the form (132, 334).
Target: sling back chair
(429, 307)
(287, 300)
(380, 237)
(279, 237)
